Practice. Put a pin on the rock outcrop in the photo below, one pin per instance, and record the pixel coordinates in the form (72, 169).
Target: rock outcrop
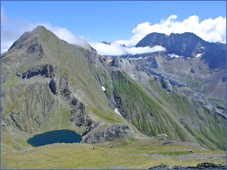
(79, 115)
(53, 86)
(46, 71)
(166, 85)
(102, 132)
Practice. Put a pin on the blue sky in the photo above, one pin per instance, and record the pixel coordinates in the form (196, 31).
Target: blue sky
(112, 21)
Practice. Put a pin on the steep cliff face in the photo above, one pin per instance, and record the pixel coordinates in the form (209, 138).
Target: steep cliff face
(49, 84)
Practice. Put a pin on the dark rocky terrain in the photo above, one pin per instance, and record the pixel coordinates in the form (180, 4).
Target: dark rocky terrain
(199, 166)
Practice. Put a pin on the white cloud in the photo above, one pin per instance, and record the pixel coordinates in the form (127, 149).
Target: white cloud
(211, 30)
(5, 45)
(116, 49)
(66, 35)
(141, 50)
(105, 49)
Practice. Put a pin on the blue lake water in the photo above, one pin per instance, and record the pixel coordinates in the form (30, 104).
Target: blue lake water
(55, 136)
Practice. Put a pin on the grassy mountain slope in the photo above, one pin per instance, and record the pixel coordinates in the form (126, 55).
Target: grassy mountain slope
(48, 84)
(176, 115)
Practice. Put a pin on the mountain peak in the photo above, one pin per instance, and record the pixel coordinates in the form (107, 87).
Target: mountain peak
(39, 27)
(186, 44)
(42, 34)
(30, 37)
(152, 39)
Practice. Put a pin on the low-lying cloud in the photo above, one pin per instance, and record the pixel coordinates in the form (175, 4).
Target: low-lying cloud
(66, 35)
(141, 50)
(116, 49)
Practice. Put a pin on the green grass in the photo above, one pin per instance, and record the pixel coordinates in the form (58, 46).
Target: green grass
(13, 107)
(72, 65)
(12, 82)
(137, 105)
(106, 85)
(197, 83)
(107, 117)
(187, 91)
(71, 156)
(59, 117)
(167, 109)
(206, 129)
(174, 153)
(218, 102)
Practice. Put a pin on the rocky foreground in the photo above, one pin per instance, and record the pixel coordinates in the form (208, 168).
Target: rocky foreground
(199, 166)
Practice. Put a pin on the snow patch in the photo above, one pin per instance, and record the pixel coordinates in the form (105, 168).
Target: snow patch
(103, 88)
(117, 111)
(174, 55)
(139, 58)
(109, 60)
(198, 55)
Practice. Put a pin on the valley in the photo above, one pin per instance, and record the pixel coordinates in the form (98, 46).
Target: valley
(138, 111)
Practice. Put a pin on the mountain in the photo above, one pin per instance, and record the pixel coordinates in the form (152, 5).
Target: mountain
(202, 65)
(45, 77)
(48, 84)
(188, 45)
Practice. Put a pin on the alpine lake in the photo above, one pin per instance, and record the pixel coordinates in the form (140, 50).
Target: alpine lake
(55, 136)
